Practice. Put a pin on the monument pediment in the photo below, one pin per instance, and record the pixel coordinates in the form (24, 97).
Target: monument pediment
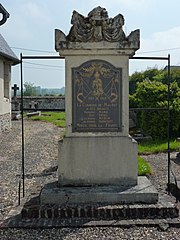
(97, 28)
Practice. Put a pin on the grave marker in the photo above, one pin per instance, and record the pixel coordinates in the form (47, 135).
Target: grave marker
(15, 106)
(15, 88)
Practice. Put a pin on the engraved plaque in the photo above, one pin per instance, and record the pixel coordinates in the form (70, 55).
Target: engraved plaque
(96, 97)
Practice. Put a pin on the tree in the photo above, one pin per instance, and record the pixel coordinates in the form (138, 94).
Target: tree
(30, 89)
(162, 76)
(137, 77)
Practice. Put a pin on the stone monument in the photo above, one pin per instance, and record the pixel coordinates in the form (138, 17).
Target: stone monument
(97, 157)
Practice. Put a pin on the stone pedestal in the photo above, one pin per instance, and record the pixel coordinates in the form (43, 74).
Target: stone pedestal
(91, 161)
(97, 149)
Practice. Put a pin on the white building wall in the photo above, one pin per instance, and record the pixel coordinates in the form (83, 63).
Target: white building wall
(1, 85)
(5, 97)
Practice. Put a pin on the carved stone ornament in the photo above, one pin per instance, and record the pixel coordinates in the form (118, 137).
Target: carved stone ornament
(96, 27)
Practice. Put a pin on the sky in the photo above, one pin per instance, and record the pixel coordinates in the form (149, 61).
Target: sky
(30, 31)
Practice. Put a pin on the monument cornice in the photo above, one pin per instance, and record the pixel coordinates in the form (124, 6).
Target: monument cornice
(96, 51)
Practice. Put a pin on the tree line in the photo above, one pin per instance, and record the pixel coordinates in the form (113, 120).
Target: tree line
(31, 90)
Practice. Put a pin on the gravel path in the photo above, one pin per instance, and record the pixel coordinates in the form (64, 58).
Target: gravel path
(91, 234)
(41, 141)
(159, 166)
(41, 149)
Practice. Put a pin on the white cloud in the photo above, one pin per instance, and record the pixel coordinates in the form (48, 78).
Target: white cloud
(164, 43)
(162, 40)
(160, 44)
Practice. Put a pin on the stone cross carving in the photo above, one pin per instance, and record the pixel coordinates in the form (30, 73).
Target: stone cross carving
(96, 27)
(15, 88)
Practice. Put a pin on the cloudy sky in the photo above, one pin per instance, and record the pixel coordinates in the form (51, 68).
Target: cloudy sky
(30, 30)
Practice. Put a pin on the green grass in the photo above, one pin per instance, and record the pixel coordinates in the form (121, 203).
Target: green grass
(57, 118)
(143, 167)
(157, 147)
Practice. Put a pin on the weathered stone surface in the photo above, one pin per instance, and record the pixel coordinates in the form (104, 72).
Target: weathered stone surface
(143, 192)
(97, 161)
(118, 61)
(96, 27)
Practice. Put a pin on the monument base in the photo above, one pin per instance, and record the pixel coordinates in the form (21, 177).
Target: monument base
(98, 160)
(143, 192)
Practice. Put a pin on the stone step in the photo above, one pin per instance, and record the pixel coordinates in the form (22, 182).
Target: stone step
(31, 214)
(110, 212)
(144, 192)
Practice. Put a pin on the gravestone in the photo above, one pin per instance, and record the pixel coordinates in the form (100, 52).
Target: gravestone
(15, 88)
(15, 106)
(97, 157)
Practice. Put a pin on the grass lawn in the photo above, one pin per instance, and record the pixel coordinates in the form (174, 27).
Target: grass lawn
(57, 118)
(157, 146)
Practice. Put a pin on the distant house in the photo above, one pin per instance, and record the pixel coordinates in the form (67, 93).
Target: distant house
(172, 68)
(7, 59)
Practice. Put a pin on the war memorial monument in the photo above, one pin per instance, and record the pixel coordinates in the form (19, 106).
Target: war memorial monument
(97, 156)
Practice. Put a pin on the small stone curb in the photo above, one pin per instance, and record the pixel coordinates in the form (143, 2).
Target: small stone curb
(83, 223)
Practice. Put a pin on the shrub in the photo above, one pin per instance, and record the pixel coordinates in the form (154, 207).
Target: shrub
(154, 94)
